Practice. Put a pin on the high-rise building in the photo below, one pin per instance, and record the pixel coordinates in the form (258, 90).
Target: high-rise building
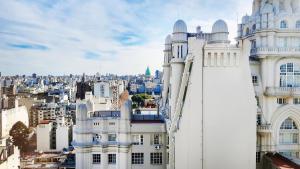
(270, 37)
(208, 100)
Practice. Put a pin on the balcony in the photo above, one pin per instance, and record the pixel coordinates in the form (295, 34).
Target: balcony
(282, 91)
(274, 51)
(264, 128)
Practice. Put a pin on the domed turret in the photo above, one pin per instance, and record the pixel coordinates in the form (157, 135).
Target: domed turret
(245, 19)
(179, 40)
(220, 27)
(179, 27)
(268, 8)
(219, 32)
(168, 40)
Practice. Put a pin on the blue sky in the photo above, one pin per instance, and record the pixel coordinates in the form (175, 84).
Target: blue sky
(107, 36)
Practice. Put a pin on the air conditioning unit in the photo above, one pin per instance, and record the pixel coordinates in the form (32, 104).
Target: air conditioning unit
(157, 147)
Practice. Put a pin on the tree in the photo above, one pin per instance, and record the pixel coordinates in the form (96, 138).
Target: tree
(19, 133)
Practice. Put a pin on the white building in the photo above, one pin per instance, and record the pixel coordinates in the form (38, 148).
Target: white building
(9, 154)
(102, 89)
(118, 139)
(208, 100)
(53, 136)
(271, 37)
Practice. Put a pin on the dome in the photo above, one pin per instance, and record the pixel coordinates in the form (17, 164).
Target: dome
(180, 27)
(220, 26)
(268, 8)
(168, 40)
(245, 19)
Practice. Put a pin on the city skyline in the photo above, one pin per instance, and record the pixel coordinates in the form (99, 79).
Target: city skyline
(73, 37)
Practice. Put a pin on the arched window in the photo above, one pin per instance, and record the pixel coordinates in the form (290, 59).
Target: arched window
(254, 27)
(288, 133)
(247, 31)
(283, 24)
(289, 75)
(298, 24)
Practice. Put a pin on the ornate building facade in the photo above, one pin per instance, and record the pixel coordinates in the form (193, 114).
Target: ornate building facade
(271, 39)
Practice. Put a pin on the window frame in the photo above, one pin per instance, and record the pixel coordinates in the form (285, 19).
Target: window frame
(111, 159)
(96, 158)
(283, 24)
(137, 158)
(156, 158)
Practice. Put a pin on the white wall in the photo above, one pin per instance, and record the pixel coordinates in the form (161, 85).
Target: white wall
(62, 137)
(43, 137)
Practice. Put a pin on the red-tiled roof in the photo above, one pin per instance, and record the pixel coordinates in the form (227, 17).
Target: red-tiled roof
(282, 162)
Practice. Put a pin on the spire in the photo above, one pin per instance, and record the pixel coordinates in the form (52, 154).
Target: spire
(148, 73)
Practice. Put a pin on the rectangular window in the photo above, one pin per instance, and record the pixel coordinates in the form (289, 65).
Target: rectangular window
(257, 157)
(254, 79)
(156, 139)
(137, 158)
(156, 158)
(112, 158)
(281, 100)
(137, 139)
(112, 137)
(96, 158)
(258, 119)
(296, 100)
(257, 100)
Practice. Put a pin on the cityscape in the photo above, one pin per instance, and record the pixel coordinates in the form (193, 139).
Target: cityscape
(83, 86)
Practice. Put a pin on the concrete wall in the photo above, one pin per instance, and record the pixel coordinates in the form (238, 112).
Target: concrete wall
(43, 134)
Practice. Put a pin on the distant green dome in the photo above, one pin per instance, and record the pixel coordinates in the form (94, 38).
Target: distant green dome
(148, 73)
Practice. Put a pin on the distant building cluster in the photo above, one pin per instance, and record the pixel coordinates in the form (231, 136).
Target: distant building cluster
(47, 105)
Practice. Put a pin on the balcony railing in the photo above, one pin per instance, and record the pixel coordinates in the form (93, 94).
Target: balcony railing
(275, 51)
(264, 128)
(282, 91)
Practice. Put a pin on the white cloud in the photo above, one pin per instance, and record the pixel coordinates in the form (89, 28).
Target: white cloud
(127, 36)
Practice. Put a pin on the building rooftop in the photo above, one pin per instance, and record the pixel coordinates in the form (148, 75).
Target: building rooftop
(280, 161)
(135, 118)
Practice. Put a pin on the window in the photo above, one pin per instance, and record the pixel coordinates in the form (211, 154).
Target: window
(96, 137)
(156, 139)
(96, 158)
(111, 158)
(288, 133)
(257, 100)
(289, 75)
(298, 24)
(247, 31)
(283, 24)
(137, 139)
(181, 51)
(257, 157)
(254, 27)
(288, 124)
(254, 79)
(296, 100)
(290, 154)
(112, 137)
(281, 100)
(137, 158)
(156, 158)
(258, 119)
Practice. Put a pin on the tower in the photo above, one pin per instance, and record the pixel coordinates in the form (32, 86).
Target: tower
(166, 68)
(179, 53)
